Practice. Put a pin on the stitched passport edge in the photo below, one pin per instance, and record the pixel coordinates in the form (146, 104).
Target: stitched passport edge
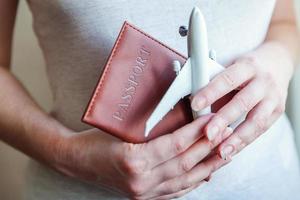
(108, 65)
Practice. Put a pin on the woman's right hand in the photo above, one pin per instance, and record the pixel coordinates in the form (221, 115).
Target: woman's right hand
(164, 168)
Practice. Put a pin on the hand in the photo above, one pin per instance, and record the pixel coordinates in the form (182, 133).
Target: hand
(164, 168)
(263, 77)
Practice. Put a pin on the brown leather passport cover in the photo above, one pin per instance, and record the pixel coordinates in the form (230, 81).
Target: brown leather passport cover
(137, 74)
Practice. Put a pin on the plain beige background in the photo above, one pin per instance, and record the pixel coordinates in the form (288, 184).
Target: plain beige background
(29, 67)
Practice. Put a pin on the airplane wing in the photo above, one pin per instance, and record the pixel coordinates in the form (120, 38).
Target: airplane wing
(181, 86)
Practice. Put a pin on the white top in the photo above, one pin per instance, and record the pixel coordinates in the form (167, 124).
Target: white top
(76, 37)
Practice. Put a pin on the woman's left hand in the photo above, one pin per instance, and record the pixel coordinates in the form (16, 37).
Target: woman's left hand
(263, 77)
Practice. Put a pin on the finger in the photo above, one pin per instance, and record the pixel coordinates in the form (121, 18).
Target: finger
(168, 146)
(196, 175)
(262, 111)
(228, 80)
(241, 103)
(177, 194)
(186, 161)
(137, 159)
(257, 121)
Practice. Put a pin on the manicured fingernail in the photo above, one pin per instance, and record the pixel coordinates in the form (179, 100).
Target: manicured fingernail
(212, 133)
(198, 103)
(227, 151)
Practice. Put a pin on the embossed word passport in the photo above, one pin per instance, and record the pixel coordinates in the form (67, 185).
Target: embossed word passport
(137, 74)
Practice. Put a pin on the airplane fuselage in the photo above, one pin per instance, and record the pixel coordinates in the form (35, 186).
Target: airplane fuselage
(199, 54)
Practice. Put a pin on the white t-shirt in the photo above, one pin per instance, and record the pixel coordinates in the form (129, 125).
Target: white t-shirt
(76, 37)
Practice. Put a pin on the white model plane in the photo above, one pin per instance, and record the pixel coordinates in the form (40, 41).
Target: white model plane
(196, 73)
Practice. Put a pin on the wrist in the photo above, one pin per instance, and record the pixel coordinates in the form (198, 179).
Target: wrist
(283, 55)
(45, 139)
(76, 152)
(57, 147)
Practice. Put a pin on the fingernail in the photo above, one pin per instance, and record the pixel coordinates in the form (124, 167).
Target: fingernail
(212, 133)
(227, 151)
(198, 103)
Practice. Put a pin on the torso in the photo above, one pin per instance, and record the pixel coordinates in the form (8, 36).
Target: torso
(76, 37)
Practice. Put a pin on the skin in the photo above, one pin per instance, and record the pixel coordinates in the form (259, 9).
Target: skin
(138, 171)
(164, 168)
(263, 78)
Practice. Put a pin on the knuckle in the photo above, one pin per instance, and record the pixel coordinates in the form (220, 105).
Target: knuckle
(131, 162)
(136, 189)
(250, 61)
(129, 149)
(260, 123)
(133, 166)
(220, 118)
(178, 145)
(209, 94)
(127, 165)
(243, 103)
(185, 165)
(241, 142)
(227, 79)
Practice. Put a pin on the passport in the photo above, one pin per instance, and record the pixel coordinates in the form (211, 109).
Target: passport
(137, 73)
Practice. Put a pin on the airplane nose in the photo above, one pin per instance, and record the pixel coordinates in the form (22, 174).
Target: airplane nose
(195, 10)
(196, 13)
(197, 34)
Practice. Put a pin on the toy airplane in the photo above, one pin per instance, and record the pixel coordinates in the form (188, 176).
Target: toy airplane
(194, 75)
